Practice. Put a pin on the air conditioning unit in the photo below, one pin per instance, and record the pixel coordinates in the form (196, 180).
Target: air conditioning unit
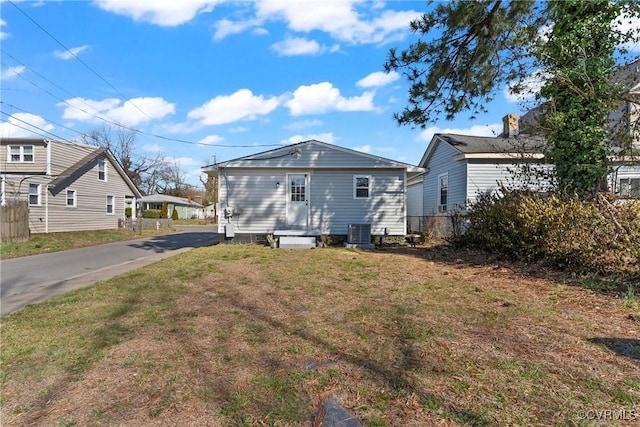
(359, 233)
(442, 208)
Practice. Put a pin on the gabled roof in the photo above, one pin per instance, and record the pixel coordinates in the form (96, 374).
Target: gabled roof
(312, 154)
(483, 147)
(72, 173)
(161, 198)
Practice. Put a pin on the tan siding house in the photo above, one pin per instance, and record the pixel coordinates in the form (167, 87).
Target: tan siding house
(70, 187)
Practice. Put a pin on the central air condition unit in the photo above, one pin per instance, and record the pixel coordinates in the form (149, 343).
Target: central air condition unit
(359, 234)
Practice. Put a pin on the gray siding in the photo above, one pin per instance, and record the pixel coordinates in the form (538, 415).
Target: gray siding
(333, 207)
(442, 162)
(39, 165)
(486, 177)
(90, 212)
(262, 206)
(259, 206)
(64, 155)
(313, 155)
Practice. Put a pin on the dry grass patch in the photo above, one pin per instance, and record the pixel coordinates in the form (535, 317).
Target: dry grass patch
(247, 335)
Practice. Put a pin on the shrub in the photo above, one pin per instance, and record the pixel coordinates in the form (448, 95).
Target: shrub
(127, 212)
(152, 213)
(164, 212)
(174, 214)
(599, 235)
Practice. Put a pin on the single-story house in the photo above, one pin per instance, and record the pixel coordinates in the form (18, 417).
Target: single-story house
(311, 188)
(187, 208)
(68, 186)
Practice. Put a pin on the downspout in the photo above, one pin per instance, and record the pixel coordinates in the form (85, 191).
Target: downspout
(3, 200)
(404, 204)
(46, 191)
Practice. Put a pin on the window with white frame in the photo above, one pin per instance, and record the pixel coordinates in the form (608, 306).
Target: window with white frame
(20, 153)
(361, 186)
(110, 204)
(34, 194)
(443, 192)
(629, 187)
(102, 170)
(71, 199)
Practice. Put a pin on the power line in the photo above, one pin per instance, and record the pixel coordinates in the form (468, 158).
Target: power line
(32, 125)
(78, 58)
(101, 117)
(124, 96)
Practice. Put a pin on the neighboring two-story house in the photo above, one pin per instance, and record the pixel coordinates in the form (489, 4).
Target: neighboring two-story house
(68, 186)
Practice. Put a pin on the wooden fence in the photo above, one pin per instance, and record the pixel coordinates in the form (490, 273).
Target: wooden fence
(14, 222)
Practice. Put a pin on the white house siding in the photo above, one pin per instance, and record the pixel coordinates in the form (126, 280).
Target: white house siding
(333, 206)
(311, 156)
(620, 173)
(442, 162)
(260, 205)
(415, 198)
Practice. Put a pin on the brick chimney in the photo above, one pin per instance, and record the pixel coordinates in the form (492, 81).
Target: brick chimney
(510, 125)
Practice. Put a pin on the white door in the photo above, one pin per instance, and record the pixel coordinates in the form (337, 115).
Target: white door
(298, 200)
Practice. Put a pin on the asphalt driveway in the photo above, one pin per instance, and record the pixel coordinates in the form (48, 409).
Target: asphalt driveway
(33, 279)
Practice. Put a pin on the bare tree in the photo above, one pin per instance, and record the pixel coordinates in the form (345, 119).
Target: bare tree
(144, 171)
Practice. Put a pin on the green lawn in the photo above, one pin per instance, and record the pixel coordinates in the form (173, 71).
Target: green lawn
(53, 242)
(244, 335)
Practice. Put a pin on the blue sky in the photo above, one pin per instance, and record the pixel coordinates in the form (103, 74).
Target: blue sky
(200, 79)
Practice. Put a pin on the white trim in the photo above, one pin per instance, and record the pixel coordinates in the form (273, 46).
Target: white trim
(113, 204)
(102, 162)
(442, 207)
(307, 195)
(39, 203)
(66, 198)
(510, 156)
(356, 188)
(21, 153)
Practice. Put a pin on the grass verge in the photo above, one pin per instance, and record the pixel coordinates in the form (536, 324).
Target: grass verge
(247, 335)
(52, 242)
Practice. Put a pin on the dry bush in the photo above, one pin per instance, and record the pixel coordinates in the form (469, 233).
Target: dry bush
(600, 235)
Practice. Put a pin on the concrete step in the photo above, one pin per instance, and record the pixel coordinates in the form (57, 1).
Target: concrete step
(296, 242)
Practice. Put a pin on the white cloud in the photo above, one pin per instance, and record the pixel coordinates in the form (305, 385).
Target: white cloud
(130, 113)
(23, 125)
(210, 140)
(322, 97)
(363, 148)
(493, 129)
(12, 72)
(165, 13)
(378, 79)
(340, 19)
(629, 25)
(155, 148)
(3, 35)
(327, 137)
(292, 46)
(525, 90)
(240, 105)
(303, 124)
(225, 28)
(71, 53)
